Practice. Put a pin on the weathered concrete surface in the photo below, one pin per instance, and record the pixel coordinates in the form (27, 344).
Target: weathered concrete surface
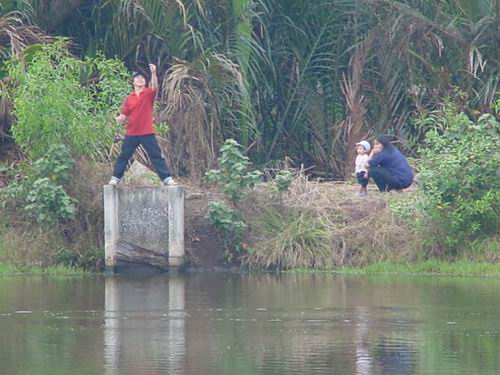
(144, 226)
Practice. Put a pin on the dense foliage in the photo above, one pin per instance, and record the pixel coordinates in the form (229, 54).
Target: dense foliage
(303, 79)
(62, 107)
(460, 167)
(39, 188)
(61, 100)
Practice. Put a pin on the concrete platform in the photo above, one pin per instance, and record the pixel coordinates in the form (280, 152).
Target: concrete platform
(144, 227)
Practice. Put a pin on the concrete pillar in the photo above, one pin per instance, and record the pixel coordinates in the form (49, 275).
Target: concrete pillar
(176, 226)
(144, 227)
(111, 230)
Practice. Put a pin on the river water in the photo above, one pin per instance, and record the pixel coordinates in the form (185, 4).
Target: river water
(230, 323)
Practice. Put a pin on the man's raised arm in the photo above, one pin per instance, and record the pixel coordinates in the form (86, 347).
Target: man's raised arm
(154, 79)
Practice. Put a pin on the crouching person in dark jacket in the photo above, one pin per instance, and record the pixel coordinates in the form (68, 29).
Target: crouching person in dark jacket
(388, 167)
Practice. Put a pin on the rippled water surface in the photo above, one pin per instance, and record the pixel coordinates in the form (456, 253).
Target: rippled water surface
(227, 323)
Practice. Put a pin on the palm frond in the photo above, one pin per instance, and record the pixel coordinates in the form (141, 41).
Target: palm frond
(15, 34)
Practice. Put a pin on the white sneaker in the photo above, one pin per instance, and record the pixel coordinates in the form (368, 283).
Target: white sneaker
(114, 181)
(169, 181)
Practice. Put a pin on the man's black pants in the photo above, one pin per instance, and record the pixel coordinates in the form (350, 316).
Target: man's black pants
(150, 144)
(385, 180)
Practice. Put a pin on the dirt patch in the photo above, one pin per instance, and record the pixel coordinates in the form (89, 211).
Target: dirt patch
(204, 246)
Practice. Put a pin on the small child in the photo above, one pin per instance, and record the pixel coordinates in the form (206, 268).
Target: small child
(362, 148)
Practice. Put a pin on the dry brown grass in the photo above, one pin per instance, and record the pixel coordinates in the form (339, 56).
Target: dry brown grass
(190, 106)
(24, 245)
(86, 232)
(351, 230)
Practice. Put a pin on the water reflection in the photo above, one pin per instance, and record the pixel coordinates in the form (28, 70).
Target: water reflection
(231, 323)
(144, 325)
(364, 360)
(177, 323)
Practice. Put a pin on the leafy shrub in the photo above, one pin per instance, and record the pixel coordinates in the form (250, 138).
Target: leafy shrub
(228, 222)
(283, 181)
(235, 177)
(226, 219)
(47, 202)
(460, 175)
(59, 99)
(234, 174)
(40, 191)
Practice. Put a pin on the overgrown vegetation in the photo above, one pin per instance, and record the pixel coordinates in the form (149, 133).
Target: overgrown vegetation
(323, 226)
(460, 170)
(39, 189)
(303, 81)
(235, 178)
(60, 100)
(62, 107)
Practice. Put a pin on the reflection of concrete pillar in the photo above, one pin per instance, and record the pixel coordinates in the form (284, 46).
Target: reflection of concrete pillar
(176, 226)
(111, 230)
(144, 318)
(111, 327)
(364, 361)
(177, 322)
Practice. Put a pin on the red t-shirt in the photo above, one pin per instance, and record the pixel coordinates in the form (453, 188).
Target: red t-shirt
(139, 112)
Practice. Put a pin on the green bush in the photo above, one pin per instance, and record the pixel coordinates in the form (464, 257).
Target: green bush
(40, 189)
(282, 181)
(63, 109)
(235, 177)
(234, 174)
(59, 99)
(459, 174)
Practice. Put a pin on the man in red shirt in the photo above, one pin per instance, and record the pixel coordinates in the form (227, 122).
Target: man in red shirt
(137, 115)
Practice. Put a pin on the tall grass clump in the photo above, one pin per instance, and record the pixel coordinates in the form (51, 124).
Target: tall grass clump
(292, 238)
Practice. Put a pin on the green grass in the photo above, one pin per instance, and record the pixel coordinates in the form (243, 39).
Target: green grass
(460, 267)
(291, 237)
(8, 269)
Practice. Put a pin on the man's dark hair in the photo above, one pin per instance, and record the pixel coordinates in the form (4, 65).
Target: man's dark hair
(385, 141)
(140, 73)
